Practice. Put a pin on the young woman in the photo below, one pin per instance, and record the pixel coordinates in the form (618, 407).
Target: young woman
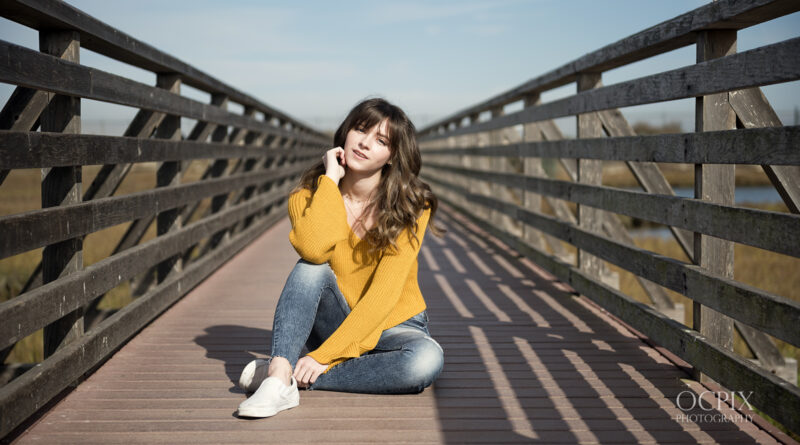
(358, 220)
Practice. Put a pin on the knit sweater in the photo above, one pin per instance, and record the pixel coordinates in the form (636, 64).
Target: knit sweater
(381, 292)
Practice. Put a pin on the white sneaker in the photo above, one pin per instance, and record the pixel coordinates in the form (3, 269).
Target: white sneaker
(253, 374)
(270, 398)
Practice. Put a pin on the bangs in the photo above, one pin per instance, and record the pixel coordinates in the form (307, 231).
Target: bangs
(369, 113)
(368, 117)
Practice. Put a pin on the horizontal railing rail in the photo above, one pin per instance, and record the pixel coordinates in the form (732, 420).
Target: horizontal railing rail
(490, 164)
(168, 205)
(659, 39)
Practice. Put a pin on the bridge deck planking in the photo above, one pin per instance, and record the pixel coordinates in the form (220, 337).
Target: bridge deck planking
(525, 362)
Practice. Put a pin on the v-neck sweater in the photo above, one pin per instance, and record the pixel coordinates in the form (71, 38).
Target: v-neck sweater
(382, 292)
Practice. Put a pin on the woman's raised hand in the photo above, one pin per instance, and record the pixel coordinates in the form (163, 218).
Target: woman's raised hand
(334, 163)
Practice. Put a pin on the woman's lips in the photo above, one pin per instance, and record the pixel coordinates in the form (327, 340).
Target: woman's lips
(359, 154)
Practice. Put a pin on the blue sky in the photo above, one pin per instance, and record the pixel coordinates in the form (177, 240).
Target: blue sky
(316, 59)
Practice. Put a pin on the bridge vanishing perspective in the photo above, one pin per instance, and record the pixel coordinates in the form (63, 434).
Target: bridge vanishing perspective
(143, 342)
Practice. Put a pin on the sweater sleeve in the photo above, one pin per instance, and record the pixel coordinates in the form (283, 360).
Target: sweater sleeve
(319, 221)
(377, 303)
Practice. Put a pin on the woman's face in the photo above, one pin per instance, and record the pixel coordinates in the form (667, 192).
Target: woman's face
(367, 149)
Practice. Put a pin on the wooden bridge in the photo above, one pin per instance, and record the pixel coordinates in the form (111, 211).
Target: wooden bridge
(541, 346)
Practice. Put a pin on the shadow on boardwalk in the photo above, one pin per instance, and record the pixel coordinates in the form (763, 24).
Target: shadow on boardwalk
(525, 362)
(528, 361)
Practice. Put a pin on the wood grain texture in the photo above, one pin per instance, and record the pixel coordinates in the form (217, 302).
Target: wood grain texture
(104, 39)
(574, 375)
(32, 310)
(62, 186)
(42, 72)
(47, 226)
(761, 66)
(732, 371)
(723, 221)
(658, 39)
(775, 146)
(750, 305)
(716, 184)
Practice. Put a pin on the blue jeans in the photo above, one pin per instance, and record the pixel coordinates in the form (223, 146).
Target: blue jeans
(311, 307)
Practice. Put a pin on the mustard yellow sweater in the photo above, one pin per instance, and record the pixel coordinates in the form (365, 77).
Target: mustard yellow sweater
(381, 293)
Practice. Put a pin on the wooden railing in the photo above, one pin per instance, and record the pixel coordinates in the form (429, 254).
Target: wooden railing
(248, 162)
(490, 167)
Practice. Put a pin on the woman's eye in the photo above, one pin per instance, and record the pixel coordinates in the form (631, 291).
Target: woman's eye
(382, 142)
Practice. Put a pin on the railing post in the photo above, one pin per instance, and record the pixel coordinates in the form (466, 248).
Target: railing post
(475, 186)
(168, 174)
(62, 186)
(532, 167)
(714, 183)
(589, 171)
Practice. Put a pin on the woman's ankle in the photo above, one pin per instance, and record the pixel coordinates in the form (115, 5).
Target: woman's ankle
(281, 368)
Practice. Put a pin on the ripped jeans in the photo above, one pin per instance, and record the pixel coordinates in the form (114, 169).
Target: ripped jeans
(311, 307)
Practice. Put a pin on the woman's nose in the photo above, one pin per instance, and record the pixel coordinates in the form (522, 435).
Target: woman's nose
(365, 142)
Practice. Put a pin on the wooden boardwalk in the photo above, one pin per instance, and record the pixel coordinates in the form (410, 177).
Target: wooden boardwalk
(525, 362)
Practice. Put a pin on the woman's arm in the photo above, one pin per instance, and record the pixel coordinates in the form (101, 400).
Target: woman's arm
(375, 306)
(319, 221)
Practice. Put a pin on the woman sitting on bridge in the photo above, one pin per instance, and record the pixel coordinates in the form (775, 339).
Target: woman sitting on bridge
(358, 220)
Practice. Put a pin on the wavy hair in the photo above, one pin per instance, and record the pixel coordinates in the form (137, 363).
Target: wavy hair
(401, 196)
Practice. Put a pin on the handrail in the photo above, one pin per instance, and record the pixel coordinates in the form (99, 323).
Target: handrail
(664, 37)
(111, 42)
(492, 170)
(249, 163)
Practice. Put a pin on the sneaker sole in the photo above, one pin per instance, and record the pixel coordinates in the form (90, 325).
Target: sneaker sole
(264, 412)
(246, 379)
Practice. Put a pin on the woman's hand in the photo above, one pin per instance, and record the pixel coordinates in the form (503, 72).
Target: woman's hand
(307, 370)
(334, 162)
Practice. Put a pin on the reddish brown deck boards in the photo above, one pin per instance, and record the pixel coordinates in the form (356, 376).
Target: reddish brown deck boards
(525, 362)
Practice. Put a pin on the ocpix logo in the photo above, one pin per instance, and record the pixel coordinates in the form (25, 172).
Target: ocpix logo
(688, 400)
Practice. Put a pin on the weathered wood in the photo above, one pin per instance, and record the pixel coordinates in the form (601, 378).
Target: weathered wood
(778, 231)
(111, 42)
(761, 66)
(714, 183)
(168, 174)
(32, 310)
(722, 364)
(589, 171)
(22, 110)
(755, 307)
(219, 166)
(138, 228)
(25, 395)
(37, 228)
(219, 135)
(500, 164)
(551, 132)
(61, 186)
(202, 129)
(533, 167)
(34, 70)
(647, 174)
(763, 348)
(753, 110)
(664, 37)
(476, 186)
(773, 146)
(110, 176)
(614, 228)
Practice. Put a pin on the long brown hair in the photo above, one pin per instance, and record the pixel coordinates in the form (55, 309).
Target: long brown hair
(400, 196)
